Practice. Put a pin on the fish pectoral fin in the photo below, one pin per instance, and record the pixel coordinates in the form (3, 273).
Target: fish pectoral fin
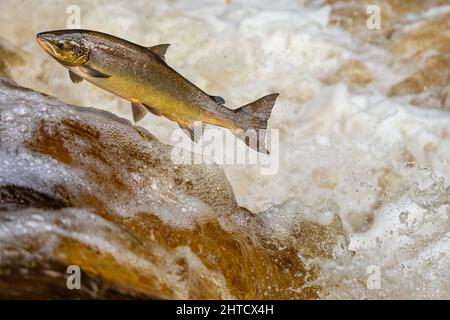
(74, 77)
(155, 111)
(139, 111)
(93, 73)
(160, 50)
(194, 132)
(218, 99)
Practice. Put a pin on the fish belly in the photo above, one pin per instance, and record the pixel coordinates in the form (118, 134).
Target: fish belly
(172, 105)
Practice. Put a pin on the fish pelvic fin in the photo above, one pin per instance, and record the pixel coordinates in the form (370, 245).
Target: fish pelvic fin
(252, 120)
(155, 111)
(138, 110)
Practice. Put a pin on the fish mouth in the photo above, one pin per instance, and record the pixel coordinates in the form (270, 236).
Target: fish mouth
(45, 41)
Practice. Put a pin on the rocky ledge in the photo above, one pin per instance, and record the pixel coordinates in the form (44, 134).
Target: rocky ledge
(80, 186)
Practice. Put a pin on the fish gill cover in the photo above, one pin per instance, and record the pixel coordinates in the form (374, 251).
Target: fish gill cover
(362, 191)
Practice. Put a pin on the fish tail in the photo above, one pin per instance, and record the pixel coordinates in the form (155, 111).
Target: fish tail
(252, 119)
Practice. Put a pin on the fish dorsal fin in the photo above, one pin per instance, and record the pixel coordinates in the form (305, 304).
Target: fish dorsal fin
(139, 111)
(218, 99)
(160, 50)
(74, 77)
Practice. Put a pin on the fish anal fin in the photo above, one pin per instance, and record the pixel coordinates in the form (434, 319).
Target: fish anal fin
(160, 50)
(189, 132)
(218, 99)
(93, 72)
(194, 131)
(74, 77)
(139, 111)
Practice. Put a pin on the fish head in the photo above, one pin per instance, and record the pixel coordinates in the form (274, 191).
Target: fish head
(66, 47)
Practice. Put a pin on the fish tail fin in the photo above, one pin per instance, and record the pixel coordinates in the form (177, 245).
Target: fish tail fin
(252, 119)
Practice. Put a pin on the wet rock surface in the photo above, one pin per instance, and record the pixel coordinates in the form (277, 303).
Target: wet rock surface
(79, 186)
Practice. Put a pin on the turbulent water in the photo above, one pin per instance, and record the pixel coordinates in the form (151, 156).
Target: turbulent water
(364, 128)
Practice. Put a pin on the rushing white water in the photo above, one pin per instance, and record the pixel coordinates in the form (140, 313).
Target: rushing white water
(379, 162)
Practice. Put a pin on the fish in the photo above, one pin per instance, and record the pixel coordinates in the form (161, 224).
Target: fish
(142, 76)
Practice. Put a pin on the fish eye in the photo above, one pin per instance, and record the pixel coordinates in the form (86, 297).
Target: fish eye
(60, 44)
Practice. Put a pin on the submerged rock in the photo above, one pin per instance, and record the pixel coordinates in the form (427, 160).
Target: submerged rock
(80, 186)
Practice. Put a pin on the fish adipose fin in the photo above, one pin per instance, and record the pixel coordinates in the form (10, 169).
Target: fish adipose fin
(160, 50)
(93, 73)
(218, 99)
(139, 111)
(255, 116)
(74, 77)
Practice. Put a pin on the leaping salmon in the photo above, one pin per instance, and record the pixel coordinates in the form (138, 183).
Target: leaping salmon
(141, 76)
